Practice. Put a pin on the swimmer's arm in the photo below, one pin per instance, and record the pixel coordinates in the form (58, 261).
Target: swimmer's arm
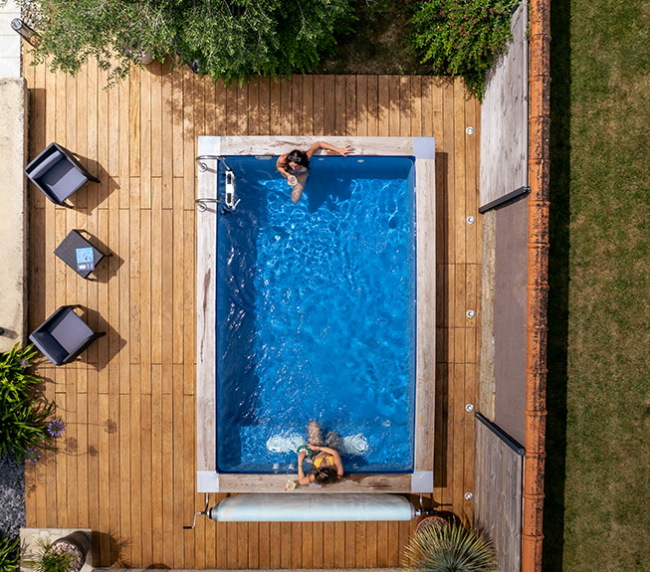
(302, 478)
(338, 463)
(322, 145)
(282, 161)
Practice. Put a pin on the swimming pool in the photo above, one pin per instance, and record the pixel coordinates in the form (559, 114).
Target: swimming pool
(320, 310)
(316, 314)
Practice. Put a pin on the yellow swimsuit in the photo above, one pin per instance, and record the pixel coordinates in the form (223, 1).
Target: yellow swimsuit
(319, 461)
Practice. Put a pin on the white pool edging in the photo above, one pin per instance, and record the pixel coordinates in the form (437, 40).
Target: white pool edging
(423, 149)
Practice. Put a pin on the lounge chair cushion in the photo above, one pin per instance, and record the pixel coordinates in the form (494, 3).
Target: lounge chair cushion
(46, 164)
(71, 332)
(63, 179)
(44, 341)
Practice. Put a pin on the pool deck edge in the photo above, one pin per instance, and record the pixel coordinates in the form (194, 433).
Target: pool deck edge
(206, 285)
(421, 480)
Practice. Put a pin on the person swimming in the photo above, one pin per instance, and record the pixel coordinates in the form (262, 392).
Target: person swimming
(327, 466)
(294, 165)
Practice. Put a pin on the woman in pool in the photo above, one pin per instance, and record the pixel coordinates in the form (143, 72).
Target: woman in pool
(326, 462)
(294, 165)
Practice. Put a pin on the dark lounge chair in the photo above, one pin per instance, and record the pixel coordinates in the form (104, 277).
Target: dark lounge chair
(57, 173)
(63, 336)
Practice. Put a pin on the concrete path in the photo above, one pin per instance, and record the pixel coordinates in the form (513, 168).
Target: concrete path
(13, 154)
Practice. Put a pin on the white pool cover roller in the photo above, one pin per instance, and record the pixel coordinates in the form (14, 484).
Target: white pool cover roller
(319, 507)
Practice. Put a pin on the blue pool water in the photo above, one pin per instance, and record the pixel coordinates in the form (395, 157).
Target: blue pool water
(316, 315)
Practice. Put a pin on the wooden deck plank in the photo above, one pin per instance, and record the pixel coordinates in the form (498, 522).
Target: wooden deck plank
(113, 157)
(124, 141)
(328, 545)
(189, 329)
(297, 106)
(382, 544)
(308, 105)
(192, 119)
(167, 300)
(319, 107)
(113, 429)
(232, 534)
(140, 138)
(371, 545)
(393, 106)
(265, 107)
(383, 104)
(124, 487)
(285, 107)
(253, 108)
(372, 94)
(176, 485)
(145, 138)
(146, 476)
(156, 468)
(156, 300)
(145, 301)
(317, 544)
(307, 556)
(134, 481)
(405, 100)
(102, 501)
(460, 214)
(459, 413)
(329, 105)
(175, 167)
(361, 112)
(350, 106)
(189, 475)
(155, 157)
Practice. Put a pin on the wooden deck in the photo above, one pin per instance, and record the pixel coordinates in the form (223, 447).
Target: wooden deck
(126, 465)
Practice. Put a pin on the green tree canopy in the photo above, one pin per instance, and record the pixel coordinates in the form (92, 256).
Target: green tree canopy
(228, 39)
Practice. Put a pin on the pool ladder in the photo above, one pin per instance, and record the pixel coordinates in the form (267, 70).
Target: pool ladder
(230, 203)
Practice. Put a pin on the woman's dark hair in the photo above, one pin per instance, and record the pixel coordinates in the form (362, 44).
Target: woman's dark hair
(299, 157)
(326, 475)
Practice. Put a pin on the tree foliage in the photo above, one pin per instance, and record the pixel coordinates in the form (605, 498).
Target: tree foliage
(226, 39)
(462, 37)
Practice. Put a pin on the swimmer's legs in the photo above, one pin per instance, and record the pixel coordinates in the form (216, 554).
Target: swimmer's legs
(299, 187)
(333, 440)
(315, 437)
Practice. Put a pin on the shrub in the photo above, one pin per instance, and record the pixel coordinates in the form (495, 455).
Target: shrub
(52, 558)
(450, 547)
(228, 39)
(24, 425)
(462, 37)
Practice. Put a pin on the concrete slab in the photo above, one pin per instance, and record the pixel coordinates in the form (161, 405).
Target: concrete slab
(13, 230)
(10, 42)
(10, 68)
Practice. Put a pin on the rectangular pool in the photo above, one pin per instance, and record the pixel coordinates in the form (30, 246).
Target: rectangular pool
(316, 314)
(323, 310)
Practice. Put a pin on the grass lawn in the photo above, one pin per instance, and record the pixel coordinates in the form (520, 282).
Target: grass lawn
(597, 513)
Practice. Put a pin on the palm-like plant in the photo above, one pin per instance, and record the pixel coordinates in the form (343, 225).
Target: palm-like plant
(450, 547)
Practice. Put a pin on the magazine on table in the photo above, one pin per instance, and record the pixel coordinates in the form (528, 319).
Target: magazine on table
(85, 259)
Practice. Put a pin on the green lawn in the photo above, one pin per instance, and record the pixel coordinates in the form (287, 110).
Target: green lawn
(597, 514)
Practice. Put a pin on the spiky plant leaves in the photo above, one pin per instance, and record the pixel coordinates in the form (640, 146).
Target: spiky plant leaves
(450, 547)
(9, 555)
